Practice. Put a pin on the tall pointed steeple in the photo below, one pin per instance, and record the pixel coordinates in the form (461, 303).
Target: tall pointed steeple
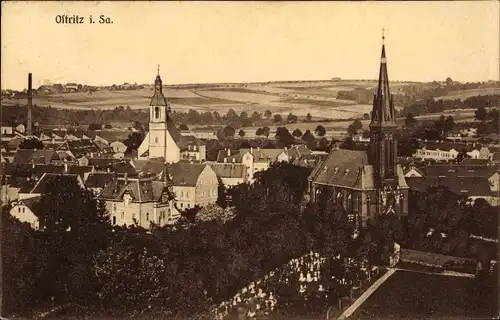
(383, 103)
(383, 129)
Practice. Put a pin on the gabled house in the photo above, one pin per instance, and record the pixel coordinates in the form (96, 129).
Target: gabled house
(97, 181)
(29, 156)
(139, 201)
(470, 186)
(41, 185)
(412, 171)
(23, 210)
(231, 174)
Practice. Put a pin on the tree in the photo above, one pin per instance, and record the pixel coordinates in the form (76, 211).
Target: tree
(410, 120)
(229, 132)
(449, 124)
(308, 138)
(183, 127)
(297, 133)
(31, 143)
(266, 131)
(232, 115)
(241, 133)
(243, 115)
(268, 114)
(481, 114)
(283, 135)
(277, 118)
(308, 117)
(462, 154)
(259, 132)
(354, 127)
(133, 141)
(255, 116)
(108, 126)
(291, 118)
(366, 116)
(320, 130)
(449, 82)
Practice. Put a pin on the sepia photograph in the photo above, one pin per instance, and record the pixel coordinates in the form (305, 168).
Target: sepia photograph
(230, 160)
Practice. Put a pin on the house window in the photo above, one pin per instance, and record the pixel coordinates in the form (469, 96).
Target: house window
(147, 216)
(182, 205)
(156, 140)
(19, 209)
(123, 215)
(114, 219)
(133, 216)
(188, 206)
(114, 207)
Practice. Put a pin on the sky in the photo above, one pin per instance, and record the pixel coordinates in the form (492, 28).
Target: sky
(197, 42)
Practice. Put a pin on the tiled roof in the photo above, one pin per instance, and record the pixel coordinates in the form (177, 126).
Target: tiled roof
(102, 146)
(223, 154)
(263, 154)
(148, 166)
(185, 174)
(410, 168)
(80, 170)
(24, 156)
(446, 146)
(297, 151)
(141, 190)
(111, 136)
(347, 168)
(186, 141)
(309, 160)
(29, 202)
(41, 185)
(99, 179)
(229, 170)
(459, 170)
(469, 161)
(467, 186)
(103, 162)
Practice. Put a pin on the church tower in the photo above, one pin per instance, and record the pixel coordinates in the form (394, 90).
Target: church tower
(158, 121)
(383, 131)
(383, 154)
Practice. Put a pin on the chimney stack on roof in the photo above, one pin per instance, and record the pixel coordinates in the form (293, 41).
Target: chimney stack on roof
(30, 105)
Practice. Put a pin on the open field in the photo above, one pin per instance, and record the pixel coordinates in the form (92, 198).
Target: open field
(316, 97)
(410, 295)
(464, 94)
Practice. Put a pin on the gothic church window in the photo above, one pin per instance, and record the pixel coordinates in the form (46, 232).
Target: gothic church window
(157, 112)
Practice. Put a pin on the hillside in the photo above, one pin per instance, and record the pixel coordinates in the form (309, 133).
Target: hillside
(316, 97)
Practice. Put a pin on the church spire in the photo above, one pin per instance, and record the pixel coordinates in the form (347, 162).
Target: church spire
(158, 82)
(158, 99)
(383, 104)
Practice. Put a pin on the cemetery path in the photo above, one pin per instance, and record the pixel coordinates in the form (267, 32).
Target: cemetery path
(366, 294)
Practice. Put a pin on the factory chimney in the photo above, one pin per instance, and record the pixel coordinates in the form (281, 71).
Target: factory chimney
(30, 106)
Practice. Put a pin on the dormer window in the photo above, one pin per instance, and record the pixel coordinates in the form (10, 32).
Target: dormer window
(346, 171)
(336, 169)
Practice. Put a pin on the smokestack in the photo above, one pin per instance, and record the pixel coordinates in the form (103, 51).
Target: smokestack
(30, 106)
